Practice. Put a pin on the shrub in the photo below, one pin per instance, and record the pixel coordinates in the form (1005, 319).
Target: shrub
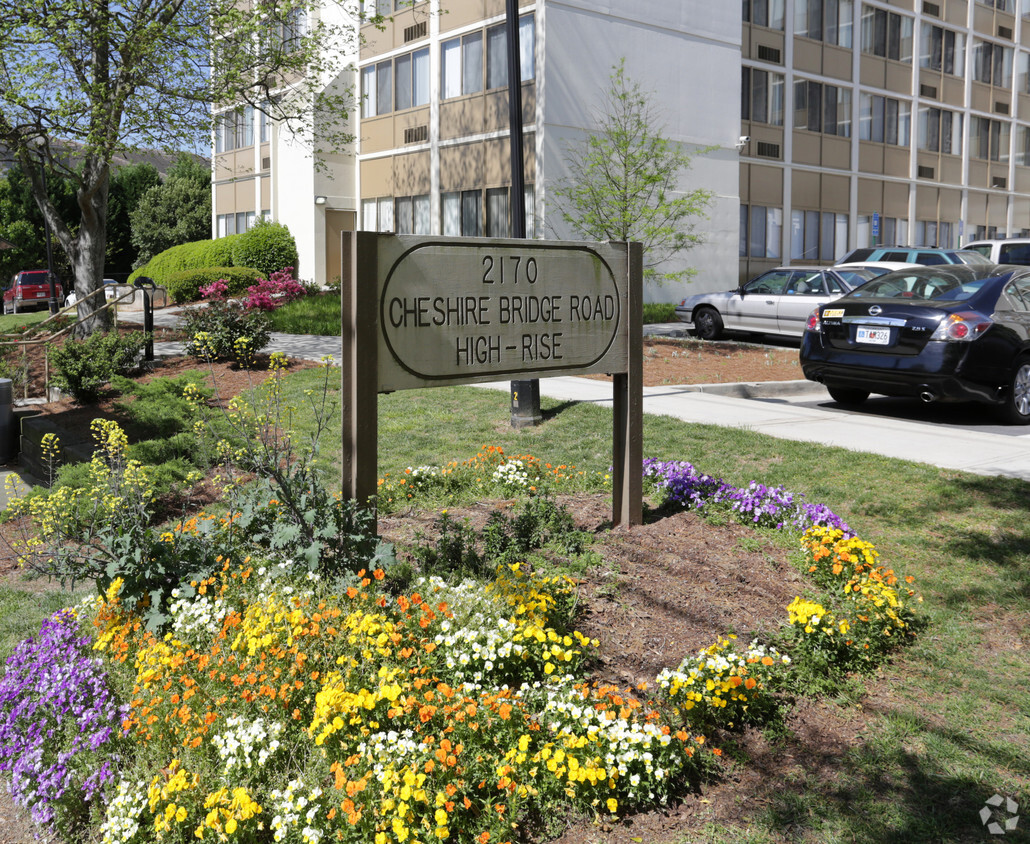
(85, 366)
(187, 256)
(185, 286)
(103, 531)
(216, 332)
(267, 246)
(659, 312)
(275, 291)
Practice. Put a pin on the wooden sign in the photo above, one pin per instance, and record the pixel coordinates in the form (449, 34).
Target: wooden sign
(433, 311)
(458, 311)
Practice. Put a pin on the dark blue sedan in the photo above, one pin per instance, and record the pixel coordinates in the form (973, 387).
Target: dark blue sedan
(941, 333)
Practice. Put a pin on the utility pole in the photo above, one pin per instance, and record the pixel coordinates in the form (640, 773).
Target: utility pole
(525, 395)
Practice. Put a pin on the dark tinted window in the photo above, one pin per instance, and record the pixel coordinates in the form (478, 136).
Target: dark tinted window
(856, 255)
(938, 286)
(1015, 253)
(930, 259)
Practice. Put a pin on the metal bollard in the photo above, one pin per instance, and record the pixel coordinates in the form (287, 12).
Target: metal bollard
(6, 420)
(147, 287)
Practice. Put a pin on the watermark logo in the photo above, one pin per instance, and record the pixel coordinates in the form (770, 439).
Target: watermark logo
(999, 821)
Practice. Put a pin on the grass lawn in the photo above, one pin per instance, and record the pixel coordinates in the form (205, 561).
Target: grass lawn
(943, 727)
(320, 315)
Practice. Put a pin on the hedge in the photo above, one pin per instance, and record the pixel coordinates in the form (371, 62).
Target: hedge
(187, 256)
(184, 286)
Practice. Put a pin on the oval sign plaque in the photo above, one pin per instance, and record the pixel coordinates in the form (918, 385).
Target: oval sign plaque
(451, 310)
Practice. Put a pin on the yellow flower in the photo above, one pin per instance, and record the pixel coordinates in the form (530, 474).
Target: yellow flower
(613, 804)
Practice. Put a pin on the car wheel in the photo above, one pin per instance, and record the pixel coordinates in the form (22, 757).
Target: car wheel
(708, 324)
(846, 395)
(1016, 410)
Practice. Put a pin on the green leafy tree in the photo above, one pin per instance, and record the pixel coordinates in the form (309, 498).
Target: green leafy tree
(128, 187)
(84, 80)
(21, 223)
(623, 182)
(175, 211)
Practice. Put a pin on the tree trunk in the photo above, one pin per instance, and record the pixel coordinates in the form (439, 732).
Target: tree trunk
(89, 249)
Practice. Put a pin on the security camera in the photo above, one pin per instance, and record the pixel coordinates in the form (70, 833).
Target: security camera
(743, 141)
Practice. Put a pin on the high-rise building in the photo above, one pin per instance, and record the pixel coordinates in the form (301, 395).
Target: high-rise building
(820, 125)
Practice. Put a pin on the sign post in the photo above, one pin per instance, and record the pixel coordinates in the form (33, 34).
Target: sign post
(435, 311)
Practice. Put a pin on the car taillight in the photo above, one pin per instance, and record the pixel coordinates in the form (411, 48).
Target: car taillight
(962, 327)
(813, 321)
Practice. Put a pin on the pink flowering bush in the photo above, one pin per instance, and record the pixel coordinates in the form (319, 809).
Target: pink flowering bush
(275, 291)
(215, 290)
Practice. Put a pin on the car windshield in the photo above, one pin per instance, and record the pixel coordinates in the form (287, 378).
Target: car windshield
(939, 286)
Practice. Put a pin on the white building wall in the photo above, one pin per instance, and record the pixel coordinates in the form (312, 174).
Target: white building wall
(687, 54)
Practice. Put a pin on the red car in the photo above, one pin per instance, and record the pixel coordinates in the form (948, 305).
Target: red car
(30, 290)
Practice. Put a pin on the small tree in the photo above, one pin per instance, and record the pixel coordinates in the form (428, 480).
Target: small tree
(176, 211)
(623, 182)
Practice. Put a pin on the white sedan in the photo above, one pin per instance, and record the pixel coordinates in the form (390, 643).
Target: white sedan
(776, 302)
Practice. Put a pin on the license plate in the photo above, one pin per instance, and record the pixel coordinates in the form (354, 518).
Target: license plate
(875, 336)
(41, 295)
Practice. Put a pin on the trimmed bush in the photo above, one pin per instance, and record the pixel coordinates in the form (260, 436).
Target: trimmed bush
(184, 286)
(267, 246)
(84, 367)
(187, 256)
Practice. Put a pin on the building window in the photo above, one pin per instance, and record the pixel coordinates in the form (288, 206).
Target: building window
(411, 214)
(822, 108)
(940, 131)
(1023, 146)
(989, 139)
(1023, 82)
(767, 13)
(886, 34)
(992, 63)
(817, 235)
(462, 66)
(497, 213)
(234, 130)
(377, 214)
(935, 233)
(893, 231)
(942, 49)
(235, 223)
(412, 75)
(264, 124)
(462, 214)
(1003, 5)
(370, 8)
(761, 96)
(377, 89)
(761, 232)
(825, 20)
(884, 120)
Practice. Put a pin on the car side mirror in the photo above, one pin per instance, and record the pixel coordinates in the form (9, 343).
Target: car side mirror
(741, 290)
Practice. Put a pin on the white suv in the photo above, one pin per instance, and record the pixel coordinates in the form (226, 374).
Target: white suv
(1013, 250)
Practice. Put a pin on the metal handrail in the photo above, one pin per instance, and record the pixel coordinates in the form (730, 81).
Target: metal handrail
(26, 341)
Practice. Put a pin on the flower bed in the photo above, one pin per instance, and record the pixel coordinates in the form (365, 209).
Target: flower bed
(281, 702)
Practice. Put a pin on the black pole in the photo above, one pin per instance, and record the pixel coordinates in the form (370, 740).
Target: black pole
(50, 276)
(147, 287)
(525, 395)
